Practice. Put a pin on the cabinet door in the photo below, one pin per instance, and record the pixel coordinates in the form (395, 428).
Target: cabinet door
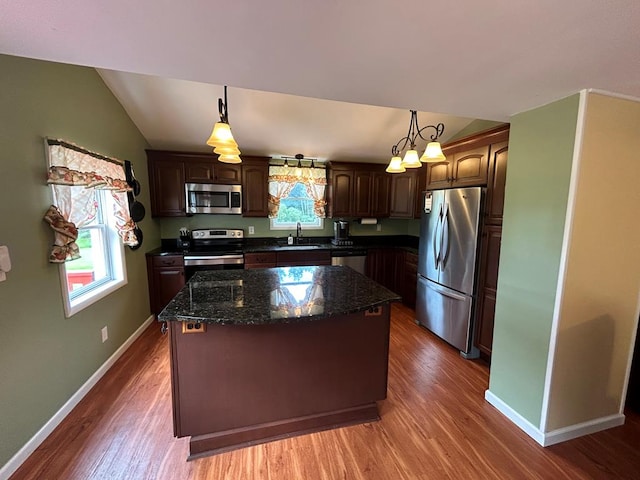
(167, 188)
(380, 207)
(421, 186)
(489, 264)
(438, 175)
(469, 168)
(497, 179)
(410, 279)
(341, 201)
(228, 173)
(363, 193)
(403, 194)
(255, 188)
(198, 172)
(166, 278)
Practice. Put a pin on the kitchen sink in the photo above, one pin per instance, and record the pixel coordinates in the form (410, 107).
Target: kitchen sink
(306, 246)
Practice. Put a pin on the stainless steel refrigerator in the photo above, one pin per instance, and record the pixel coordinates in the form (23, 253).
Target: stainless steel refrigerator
(447, 264)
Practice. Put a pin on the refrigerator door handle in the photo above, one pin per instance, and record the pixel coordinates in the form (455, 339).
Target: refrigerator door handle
(444, 237)
(436, 237)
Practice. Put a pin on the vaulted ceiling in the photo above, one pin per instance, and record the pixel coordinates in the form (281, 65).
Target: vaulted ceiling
(331, 79)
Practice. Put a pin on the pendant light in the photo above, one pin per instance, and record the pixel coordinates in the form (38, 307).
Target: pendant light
(432, 152)
(221, 137)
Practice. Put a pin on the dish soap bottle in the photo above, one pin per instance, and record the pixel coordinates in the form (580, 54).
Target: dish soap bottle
(290, 240)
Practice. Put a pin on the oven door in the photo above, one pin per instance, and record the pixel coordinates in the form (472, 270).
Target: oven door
(196, 263)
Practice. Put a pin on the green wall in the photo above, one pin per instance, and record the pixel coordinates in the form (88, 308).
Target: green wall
(475, 126)
(540, 158)
(170, 226)
(44, 357)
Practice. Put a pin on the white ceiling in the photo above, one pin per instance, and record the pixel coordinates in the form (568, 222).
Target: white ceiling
(467, 59)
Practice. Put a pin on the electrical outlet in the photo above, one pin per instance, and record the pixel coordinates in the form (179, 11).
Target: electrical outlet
(251, 230)
(105, 334)
(379, 228)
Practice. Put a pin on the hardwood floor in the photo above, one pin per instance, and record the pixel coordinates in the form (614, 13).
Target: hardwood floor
(435, 424)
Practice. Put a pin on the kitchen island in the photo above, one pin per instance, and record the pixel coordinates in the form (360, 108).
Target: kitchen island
(258, 355)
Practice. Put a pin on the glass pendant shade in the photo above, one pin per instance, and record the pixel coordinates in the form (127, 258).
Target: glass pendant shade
(411, 159)
(229, 159)
(433, 153)
(395, 166)
(226, 150)
(221, 136)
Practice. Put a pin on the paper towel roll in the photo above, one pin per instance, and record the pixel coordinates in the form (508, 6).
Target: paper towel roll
(5, 260)
(368, 221)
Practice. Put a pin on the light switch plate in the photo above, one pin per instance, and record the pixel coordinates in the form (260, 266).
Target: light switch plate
(105, 334)
(251, 230)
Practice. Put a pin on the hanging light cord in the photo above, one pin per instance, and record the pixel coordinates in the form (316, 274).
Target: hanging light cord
(415, 132)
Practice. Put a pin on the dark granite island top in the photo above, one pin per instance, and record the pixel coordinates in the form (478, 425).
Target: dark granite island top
(274, 295)
(260, 355)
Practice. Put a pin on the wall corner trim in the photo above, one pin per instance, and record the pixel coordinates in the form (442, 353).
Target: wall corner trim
(19, 458)
(525, 425)
(555, 436)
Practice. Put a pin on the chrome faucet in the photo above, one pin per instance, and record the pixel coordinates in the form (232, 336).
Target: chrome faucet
(298, 232)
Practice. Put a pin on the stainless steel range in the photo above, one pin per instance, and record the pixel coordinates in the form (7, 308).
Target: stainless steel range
(214, 249)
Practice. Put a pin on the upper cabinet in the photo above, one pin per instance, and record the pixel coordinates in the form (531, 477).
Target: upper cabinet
(358, 190)
(169, 171)
(403, 193)
(468, 161)
(166, 179)
(255, 186)
(461, 169)
(497, 179)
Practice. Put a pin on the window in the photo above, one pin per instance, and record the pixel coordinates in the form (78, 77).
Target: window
(296, 207)
(297, 195)
(100, 269)
(91, 223)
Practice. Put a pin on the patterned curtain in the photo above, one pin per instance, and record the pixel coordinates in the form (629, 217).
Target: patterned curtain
(75, 174)
(283, 179)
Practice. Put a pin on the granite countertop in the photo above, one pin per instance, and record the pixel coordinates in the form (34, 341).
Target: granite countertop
(274, 295)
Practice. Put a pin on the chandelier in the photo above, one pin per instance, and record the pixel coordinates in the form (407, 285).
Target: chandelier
(432, 153)
(221, 138)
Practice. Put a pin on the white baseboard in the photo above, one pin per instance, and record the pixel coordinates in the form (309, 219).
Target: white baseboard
(525, 425)
(554, 436)
(580, 429)
(18, 459)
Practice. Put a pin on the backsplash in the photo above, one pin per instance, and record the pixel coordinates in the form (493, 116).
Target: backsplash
(169, 227)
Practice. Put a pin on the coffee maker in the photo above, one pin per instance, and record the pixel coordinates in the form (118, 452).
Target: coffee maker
(341, 233)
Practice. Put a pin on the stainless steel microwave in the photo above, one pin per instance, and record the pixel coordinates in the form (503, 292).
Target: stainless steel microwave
(213, 198)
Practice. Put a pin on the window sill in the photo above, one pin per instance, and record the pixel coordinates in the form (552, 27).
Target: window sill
(71, 307)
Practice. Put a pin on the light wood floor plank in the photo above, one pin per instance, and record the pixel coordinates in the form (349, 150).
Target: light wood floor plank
(435, 425)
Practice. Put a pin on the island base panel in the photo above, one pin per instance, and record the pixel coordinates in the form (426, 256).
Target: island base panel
(219, 442)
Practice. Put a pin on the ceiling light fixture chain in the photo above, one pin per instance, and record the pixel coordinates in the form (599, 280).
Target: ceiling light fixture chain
(432, 153)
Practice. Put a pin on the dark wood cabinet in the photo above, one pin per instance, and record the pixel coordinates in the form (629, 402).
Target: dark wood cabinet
(255, 186)
(358, 190)
(382, 266)
(166, 178)
(487, 287)
(165, 274)
(289, 258)
(169, 171)
(410, 279)
(403, 194)
(461, 169)
(259, 260)
(341, 190)
(497, 180)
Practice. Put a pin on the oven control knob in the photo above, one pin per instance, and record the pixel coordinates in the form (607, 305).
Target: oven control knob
(233, 234)
(197, 234)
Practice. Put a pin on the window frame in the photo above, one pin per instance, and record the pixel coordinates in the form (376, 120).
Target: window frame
(76, 301)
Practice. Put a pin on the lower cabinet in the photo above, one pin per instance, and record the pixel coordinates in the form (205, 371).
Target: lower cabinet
(487, 288)
(165, 274)
(410, 279)
(287, 258)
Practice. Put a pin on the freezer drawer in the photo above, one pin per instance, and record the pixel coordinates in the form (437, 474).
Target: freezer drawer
(445, 312)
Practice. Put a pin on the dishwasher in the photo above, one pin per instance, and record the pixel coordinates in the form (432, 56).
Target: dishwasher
(352, 257)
